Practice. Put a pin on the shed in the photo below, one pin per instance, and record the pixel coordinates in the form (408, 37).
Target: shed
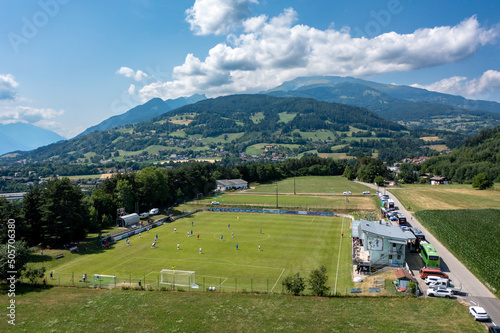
(128, 220)
(230, 184)
(403, 277)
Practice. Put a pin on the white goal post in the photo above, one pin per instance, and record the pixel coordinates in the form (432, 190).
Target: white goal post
(270, 211)
(101, 280)
(179, 278)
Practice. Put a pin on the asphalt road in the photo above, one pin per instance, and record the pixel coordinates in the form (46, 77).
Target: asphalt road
(474, 291)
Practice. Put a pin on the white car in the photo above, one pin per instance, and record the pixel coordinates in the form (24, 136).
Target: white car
(215, 202)
(478, 313)
(366, 192)
(347, 192)
(439, 292)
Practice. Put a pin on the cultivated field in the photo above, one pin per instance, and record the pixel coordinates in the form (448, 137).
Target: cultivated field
(289, 244)
(429, 197)
(87, 310)
(472, 236)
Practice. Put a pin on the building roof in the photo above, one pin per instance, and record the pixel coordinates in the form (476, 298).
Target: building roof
(231, 182)
(403, 274)
(438, 178)
(355, 230)
(384, 229)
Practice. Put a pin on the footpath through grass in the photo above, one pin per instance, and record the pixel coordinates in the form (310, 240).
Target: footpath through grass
(85, 310)
(473, 236)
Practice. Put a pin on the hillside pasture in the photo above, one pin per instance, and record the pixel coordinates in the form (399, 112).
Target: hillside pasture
(77, 309)
(472, 236)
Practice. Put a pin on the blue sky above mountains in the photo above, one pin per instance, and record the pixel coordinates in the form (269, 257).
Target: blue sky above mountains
(66, 65)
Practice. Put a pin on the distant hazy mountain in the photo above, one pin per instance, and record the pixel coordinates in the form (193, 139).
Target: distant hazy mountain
(396, 91)
(21, 136)
(146, 111)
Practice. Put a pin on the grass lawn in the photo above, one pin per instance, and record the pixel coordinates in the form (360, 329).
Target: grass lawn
(427, 197)
(313, 184)
(86, 310)
(289, 244)
(364, 203)
(472, 236)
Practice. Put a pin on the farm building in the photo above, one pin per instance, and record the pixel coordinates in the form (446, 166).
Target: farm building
(128, 220)
(403, 277)
(436, 180)
(378, 244)
(231, 184)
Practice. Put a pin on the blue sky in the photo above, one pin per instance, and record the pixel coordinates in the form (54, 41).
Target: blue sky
(66, 65)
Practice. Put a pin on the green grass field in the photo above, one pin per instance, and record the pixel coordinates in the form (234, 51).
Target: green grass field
(427, 197)
(472, 236)
(289, 244)
(87, 310)
(313, 184)
(301, 202)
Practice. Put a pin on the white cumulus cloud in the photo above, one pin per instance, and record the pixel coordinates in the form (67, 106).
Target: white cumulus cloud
(218, 16)
(27, 114)
(130, 73)
(273, 50)
(7, 87)
(484, 87)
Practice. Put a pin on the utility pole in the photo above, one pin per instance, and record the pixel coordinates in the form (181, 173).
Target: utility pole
(294, 193)
(276, 194)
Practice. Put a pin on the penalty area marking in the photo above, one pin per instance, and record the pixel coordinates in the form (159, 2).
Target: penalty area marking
(279, 277)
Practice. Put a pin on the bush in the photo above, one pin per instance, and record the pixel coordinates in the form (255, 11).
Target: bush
(295, 284)
(481, 181)
(317, 280)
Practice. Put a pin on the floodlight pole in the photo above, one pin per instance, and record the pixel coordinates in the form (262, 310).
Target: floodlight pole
(276, 194)
(294, 193)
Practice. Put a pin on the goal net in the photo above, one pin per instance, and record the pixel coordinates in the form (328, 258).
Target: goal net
(103, 281)
(178, 278)
(270, 211)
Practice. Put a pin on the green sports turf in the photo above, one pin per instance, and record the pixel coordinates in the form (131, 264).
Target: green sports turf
(289, 244)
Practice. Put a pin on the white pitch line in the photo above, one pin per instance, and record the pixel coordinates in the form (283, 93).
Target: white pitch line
(118, 265)
(313, 219)
(220, 285)
(338, 260)
(283, 271)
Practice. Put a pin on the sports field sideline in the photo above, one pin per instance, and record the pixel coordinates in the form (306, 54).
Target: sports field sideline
(288, 244)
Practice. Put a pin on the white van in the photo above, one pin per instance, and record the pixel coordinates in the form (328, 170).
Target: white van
(154, 211)
(441, 283)
(432, 279)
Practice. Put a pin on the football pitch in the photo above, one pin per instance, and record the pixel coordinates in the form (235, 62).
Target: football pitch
(230, 258)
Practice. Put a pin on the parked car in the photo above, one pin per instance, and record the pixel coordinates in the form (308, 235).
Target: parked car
(144, 215)
(347, 192)
(154, 211)
(494, 329)
(426, 271)
(478, 313)
(439, 292)
(366, 192)
(215, 202)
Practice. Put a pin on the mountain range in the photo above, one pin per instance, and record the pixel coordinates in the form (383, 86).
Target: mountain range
(146, 111)
(412, 106)
(22, 136)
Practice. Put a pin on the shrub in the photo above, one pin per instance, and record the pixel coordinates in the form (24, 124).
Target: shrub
(295, 284)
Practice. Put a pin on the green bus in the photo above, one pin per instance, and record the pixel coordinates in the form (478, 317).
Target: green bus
(429, 255)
